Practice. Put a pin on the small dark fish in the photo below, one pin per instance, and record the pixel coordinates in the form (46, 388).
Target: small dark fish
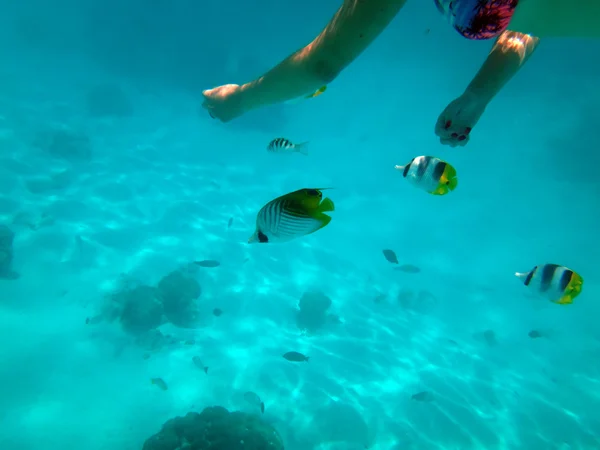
(490, 337)
(334, 318)
(160, 383)
(534, 334)
(189, 342)
(199, 364)
(217, 312)
(255, 400)
(390, 256)
(230, 222)
(407, 268)
(295, 357)
(146, 356)
(208, 263)
(424, 396)
(379, 298)
(79, 245)
(94, 320)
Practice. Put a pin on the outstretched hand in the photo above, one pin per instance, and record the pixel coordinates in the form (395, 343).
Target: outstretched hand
(223, 102)
(455, 123)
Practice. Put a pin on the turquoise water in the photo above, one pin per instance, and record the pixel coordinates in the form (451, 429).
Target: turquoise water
(112, 178)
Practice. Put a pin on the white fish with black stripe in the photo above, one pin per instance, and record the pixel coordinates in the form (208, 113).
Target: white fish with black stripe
(283, 145)
(558, 284)
(291, 216)
(430, 174)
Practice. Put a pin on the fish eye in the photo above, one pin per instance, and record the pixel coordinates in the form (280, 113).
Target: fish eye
(313, 193)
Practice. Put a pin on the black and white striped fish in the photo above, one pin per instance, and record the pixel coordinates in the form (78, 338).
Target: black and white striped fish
(283, 145)
(430, 174)
(557, 283)
(292, 215)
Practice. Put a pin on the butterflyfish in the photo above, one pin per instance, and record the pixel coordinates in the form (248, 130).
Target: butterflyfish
(556, 283)
(430, 174)
(291, 216)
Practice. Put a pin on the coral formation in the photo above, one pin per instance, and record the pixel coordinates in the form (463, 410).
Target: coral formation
(141, 309)
(312, 311)
(64, 143)
(178, 293)
(215, 428)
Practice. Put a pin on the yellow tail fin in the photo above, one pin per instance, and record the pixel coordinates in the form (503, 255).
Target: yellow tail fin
(565, 300)
(450, 177)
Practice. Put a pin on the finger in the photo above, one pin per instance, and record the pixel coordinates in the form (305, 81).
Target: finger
(445, 134)
(460, 143)
(440, 124)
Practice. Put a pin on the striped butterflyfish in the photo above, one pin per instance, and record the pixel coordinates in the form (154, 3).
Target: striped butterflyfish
(557, 283)
(292, 215)
(430, 174)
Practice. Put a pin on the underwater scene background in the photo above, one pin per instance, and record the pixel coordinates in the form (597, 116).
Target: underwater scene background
(130, 295)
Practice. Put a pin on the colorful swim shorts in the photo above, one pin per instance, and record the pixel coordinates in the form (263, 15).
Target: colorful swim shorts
(478, 19)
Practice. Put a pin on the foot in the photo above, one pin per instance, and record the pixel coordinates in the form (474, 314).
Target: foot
(458, 119)
(223, 102)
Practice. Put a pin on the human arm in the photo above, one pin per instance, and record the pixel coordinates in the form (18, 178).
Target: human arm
(509, 53)
(351, 30)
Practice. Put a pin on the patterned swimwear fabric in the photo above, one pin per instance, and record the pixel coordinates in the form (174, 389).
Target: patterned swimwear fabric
(478, 19)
